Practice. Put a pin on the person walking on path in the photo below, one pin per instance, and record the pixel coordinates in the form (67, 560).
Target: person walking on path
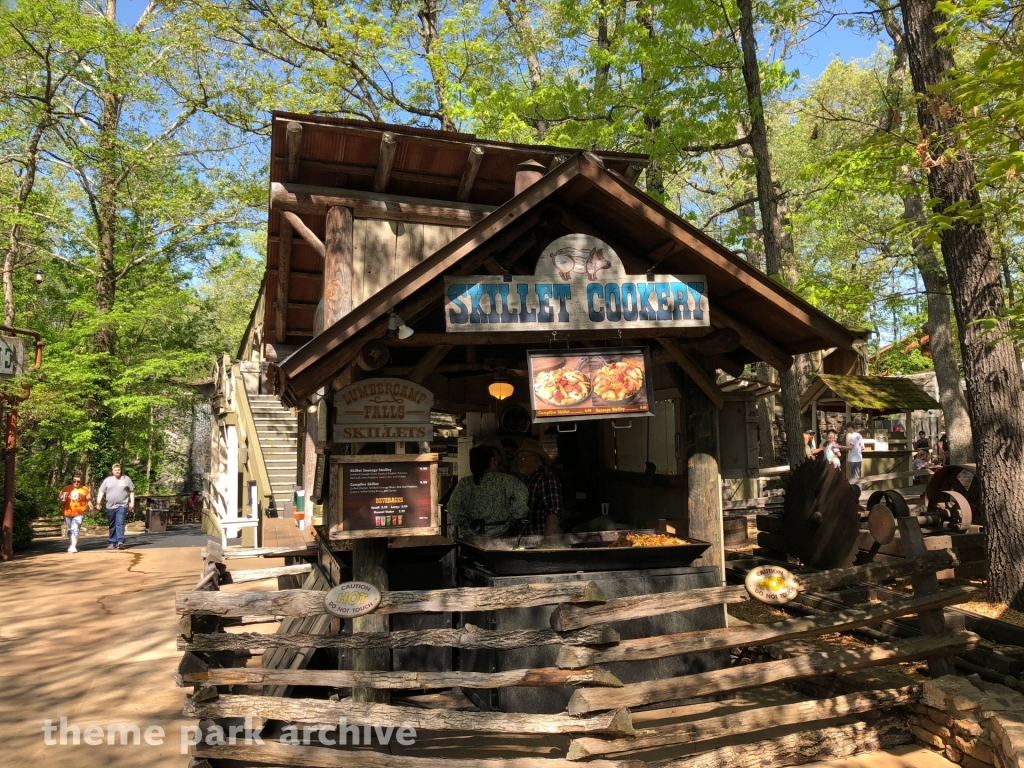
(120, 492)
(75, 501)
(855, 445)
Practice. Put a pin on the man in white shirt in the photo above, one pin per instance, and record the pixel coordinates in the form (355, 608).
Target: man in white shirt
(855, 445)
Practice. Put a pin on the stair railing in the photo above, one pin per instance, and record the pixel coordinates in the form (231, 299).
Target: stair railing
(255, 465)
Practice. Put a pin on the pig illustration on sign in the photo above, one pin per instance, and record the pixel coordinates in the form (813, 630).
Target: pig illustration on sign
(569, 260)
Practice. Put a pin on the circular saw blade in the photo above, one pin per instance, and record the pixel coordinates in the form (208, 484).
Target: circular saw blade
(821, 516)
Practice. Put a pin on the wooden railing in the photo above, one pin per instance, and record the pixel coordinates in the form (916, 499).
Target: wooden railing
(598, 714)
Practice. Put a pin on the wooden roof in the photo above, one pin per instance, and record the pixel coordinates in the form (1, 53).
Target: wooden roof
(422, 164)
(580, 195)
(870, 394)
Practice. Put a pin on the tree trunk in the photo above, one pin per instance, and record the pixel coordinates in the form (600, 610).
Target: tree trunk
(655, 175)
(430, 16)
(993, 378)
(940, 334)
(772, 234)
(524, 29)
(14, 238)
(106, 204)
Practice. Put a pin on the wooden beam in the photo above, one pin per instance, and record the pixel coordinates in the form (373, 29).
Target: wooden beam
(931, 621)
(756, 342)
(694, 371)
(307, 234)
(430, 360)
(633, 171)
(276, 753)
(370, 205)
(293, 140)
(566, 618)
(533, 337)
(683, 643)
(284, 266)
(810, 746)
(528, 678)
(338, 265)
(234, 554)
(259, 574)
(397, 174)
(476, 154)
(569, 617)
(302, 602)
(878, 573)
(756, 675)
(318, 711)
(468, 637)
(740, 723)
(386, 156)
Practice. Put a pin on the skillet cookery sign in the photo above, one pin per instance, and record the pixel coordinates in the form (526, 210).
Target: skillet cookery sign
(579, 283)
(566, 385)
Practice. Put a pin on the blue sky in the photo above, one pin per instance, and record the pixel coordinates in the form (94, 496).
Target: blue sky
(834, 41)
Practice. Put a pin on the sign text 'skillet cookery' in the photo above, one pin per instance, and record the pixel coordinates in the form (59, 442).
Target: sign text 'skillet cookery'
(579, 283)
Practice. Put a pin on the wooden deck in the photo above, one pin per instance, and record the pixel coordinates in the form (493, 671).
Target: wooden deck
(281, 532)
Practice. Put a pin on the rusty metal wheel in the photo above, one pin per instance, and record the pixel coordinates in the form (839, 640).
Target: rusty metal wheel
(961, 479)
(892, 499)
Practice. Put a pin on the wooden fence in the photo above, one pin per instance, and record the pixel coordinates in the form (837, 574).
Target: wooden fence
(598, 719)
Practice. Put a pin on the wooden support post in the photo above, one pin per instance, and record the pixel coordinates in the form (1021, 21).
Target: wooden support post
(704, 482)
(284, 269)
(931, 622)
(293, 140)
(370, 564)
(814, 423)
(476, 154)
(311, 424)
(337, 265)
(388, 145)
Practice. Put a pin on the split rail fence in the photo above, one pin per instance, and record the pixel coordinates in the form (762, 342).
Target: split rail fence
(598, 720)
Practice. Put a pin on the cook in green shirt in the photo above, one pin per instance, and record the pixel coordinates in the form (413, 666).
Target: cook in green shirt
(488, 497)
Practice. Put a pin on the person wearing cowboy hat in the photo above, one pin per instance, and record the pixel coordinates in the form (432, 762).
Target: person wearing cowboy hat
(545, 489)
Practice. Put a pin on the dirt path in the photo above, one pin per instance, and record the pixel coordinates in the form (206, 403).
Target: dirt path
(90, 637)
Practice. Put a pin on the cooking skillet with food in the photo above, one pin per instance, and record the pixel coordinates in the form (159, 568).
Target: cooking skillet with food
(619, 382)
(562, 386)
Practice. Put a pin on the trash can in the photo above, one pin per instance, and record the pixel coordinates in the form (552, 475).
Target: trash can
(156, 520)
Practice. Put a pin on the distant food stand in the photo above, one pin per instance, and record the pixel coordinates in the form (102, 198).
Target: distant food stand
(543, 296)
(876, 397)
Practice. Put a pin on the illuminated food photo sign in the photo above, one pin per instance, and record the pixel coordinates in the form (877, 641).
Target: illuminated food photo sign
(571, 384)
(579, 283)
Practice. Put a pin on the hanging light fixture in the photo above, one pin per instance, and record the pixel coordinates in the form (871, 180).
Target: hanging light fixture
(397, 327)
(38, 277)
(500, 388)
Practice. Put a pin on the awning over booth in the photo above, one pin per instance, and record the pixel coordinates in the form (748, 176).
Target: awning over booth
(581, 195)
(874, 395)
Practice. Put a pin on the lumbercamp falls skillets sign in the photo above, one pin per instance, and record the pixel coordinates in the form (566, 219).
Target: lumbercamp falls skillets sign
(579, 283)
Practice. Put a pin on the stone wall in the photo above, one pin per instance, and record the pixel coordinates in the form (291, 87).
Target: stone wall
(972, 722)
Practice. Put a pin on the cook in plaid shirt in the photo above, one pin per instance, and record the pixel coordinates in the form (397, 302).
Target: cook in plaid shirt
(544, 488)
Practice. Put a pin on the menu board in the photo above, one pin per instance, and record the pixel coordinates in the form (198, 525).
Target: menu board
(607, 383)
(385, 495)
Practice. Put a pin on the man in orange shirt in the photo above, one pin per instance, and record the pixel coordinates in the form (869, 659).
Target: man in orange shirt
(75, 501)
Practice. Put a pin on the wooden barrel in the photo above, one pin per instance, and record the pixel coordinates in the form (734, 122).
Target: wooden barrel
(734, 531)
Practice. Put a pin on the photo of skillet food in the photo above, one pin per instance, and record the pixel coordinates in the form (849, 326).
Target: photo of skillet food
(561, 386)
(619, 383)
